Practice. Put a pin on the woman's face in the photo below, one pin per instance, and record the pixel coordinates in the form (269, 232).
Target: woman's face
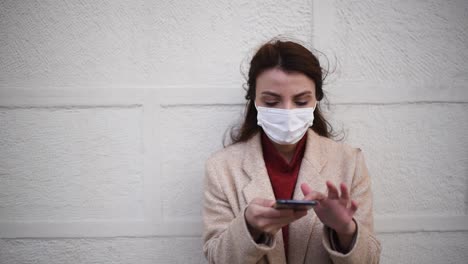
(278, 89)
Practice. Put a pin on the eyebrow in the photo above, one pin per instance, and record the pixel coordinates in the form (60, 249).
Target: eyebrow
(302, 94)
(271, 93)
(295, 96)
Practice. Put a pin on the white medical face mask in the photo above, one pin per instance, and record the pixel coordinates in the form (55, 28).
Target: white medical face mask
(285, 126)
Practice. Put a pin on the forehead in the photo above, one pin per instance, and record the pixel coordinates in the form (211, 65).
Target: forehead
(281, 82)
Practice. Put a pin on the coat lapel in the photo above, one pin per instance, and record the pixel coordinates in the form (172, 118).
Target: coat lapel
(254, 166)
(309, 172)
(260, 187)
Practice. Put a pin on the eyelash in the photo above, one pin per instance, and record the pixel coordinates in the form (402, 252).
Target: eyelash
(274, 103)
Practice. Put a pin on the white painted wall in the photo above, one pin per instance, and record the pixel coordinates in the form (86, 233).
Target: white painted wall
(108, 110)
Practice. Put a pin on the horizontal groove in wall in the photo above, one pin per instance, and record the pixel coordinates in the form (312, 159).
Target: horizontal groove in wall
(70, 106)
(410, 224)
(358, 94)
(383, 224)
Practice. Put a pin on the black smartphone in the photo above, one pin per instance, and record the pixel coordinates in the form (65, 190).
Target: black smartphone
(294, 204)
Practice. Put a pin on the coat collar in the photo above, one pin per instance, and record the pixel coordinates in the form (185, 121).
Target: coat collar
(260, 186)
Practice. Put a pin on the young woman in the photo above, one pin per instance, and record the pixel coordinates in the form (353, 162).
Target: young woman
(283, 150)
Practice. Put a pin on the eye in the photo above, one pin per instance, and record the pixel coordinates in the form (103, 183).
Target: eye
(301, 103)
(271, 103)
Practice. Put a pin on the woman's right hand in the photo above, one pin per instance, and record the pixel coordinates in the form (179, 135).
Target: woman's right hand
(261, 217)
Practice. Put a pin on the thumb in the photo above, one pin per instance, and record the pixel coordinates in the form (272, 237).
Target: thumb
(306, 189)
(263, 202)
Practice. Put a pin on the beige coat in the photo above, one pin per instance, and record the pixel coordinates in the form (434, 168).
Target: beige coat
(237, 174)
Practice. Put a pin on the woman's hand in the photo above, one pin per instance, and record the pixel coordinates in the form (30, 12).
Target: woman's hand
(334, 211)
(261, 217)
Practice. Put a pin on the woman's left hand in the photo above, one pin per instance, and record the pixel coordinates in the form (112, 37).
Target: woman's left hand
(335, 211)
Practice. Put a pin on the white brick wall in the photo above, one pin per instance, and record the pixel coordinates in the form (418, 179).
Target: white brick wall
(106, 106)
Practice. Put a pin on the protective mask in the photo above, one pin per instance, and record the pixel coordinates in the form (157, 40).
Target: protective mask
(285, 126)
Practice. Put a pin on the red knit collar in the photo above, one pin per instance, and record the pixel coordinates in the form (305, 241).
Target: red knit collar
(272, 156)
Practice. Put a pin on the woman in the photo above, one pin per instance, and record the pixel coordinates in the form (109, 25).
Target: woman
(283, 151)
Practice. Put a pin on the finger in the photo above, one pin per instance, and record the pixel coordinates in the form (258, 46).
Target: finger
(306, 189)
(282, 221)
(344, 191)
(275, 213)
(300, 213)
(286, 215)
(317, 196)
(263, 202)
(310, 194)
(354, 206)
(344, 200)
(332, 191)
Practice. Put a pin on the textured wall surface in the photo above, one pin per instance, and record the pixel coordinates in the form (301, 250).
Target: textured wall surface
(401, 42)
(70, 164)
(109, 109)
(121, 43)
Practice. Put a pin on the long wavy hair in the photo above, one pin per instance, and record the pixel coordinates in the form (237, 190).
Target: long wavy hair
(290, 57)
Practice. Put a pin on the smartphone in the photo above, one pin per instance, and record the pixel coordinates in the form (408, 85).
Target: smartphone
(294, 204)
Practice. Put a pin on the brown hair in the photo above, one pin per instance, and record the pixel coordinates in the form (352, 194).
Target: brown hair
(289, 57)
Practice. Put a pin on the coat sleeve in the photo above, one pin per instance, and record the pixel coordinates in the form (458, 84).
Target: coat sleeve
(226, 236)
(366, 248)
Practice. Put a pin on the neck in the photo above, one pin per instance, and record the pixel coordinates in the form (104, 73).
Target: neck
(286, 151)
